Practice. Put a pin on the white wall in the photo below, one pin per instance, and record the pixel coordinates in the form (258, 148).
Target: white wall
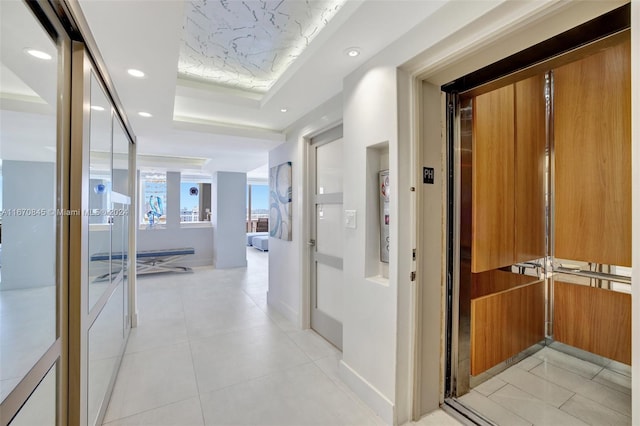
(369, 324)
(200, 238)
(229, 213)
(173, 200)
(635, 146)
(284, 256)
(288, 259)
(431, 248)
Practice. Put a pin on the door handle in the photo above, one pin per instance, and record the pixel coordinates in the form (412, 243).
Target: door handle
(311, 242)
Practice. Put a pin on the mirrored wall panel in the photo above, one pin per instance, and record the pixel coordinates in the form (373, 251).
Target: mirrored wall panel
(28, 210)
(40, 408)
(106, 337)
(108, 283)
(99, 192)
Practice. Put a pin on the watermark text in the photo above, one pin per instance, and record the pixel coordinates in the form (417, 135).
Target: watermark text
(32, 212)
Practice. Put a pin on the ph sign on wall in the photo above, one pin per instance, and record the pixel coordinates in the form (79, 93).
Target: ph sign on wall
(428, 175)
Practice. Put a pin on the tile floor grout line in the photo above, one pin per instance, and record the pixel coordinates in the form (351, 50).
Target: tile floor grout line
(612, 388)
(550, 361)
(534, 396)
(611, 382)
(340, 383)
(575, 392)
(252, 379)
(501, 406)
(606, 406)
(162, 348)
(221, 333)
(147, 411)
(516, 413)
(193, 363)
(300, 347)
(583, 421)
(582, 377)
(487, 396)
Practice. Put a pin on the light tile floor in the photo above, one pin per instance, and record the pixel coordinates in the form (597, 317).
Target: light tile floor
(210, 351)
(553, 388)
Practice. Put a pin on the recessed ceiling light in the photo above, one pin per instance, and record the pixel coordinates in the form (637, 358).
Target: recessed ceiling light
(97, 108)
(38, 54)
(352, 52)
(283, 110)
(144, 114)
(135, 73)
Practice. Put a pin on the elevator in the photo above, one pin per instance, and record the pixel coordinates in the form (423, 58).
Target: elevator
(539, 217)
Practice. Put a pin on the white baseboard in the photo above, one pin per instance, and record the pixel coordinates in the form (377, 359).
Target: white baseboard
(282, 307)
(368, 393)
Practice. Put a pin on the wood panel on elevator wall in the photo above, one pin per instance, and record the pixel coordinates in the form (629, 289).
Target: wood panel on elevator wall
(592, 142)
(506, 323)
(593, 319)
(530, 164)
(493, 180)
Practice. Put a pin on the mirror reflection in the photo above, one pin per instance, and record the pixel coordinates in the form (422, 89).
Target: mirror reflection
(106, 337)
(28, 147)
(99, 193)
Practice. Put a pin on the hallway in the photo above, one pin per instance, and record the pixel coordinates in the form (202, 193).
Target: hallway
(208, 350)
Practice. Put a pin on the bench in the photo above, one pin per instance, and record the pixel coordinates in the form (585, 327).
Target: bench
(261, 243)
(251, 235)
(149, 261)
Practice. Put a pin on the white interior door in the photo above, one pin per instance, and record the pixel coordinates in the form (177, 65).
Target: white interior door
(326, 235)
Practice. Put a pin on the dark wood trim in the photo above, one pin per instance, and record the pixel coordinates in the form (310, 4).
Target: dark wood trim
(601, 27)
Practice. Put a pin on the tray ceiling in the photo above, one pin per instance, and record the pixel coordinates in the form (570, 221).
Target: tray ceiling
(248, 44)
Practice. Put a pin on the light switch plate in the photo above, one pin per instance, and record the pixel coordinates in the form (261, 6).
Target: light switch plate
(350, 219)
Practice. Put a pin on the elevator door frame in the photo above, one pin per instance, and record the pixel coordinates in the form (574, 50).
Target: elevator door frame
(566, 47)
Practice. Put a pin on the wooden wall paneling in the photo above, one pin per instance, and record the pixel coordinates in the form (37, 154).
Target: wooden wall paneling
(593, 319)
(592, 138)
(493, 180)
(504, 324)
(530, 163)
(495, 281)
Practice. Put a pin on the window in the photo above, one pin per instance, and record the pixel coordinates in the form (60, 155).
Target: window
(153, 200)
(189, 202)
(195, 199)
(257, 204)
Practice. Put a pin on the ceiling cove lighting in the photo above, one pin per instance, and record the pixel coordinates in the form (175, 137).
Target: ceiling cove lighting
(144, 114)
(38, 54)
(135, 73)
(352, 52)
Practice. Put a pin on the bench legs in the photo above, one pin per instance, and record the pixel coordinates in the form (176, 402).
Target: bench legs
(152, 265)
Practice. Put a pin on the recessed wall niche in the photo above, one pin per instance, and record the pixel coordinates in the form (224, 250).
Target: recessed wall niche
(377, 160)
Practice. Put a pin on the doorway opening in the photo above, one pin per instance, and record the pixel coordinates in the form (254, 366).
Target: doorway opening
(539, 250)
(325, 234)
